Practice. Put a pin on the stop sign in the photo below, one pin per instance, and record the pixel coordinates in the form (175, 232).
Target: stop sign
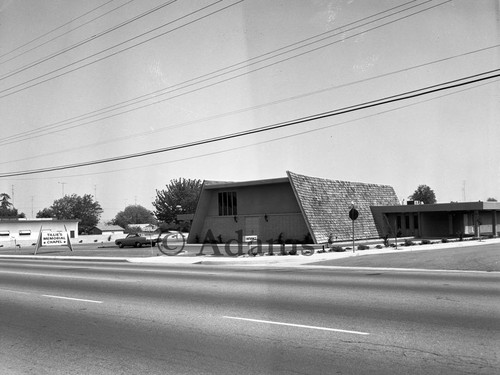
(353, 214)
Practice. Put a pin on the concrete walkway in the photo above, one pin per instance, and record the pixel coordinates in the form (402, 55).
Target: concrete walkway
(288, 260)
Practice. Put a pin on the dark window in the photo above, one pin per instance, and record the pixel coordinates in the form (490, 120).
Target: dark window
(25, 232)
(415, 221)
(228, 205)
(72, 234)
(398, 222)
(407, 221)
(4, 233)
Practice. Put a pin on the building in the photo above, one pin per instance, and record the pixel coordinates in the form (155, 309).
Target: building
(105, 229)
(440, 220)
(293, 208)
(144, 227)
(25, 232)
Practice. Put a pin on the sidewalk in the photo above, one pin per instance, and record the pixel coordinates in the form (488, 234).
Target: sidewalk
(286, 260)
(304, 259)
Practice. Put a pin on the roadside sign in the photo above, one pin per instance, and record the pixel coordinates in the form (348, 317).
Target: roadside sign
(250, 238)
(50, 238)
(53, 238)
(353, 214)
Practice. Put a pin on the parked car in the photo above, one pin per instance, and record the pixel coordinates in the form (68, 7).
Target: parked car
(136, 240)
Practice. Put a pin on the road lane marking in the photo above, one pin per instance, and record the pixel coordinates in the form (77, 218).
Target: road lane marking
(68, 276)
(13, 291)
(71, 299)
(297, 325)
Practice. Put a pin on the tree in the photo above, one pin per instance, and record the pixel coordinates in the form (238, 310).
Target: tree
(180, 196)
(75, 207)
(7, 209)
(491, 199)
(5, 201)
(46, 213)
(423, 194)
(134, 214)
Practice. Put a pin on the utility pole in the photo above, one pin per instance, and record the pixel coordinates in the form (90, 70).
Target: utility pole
(32, 214)
(62, 184)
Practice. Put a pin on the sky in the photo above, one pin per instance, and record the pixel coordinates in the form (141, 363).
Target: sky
(86, 81)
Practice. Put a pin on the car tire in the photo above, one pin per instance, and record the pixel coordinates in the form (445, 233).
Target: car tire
(120, 245)
(138, 244)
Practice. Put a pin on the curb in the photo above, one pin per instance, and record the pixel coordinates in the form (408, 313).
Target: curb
(65, 258)
(289, 260)
(293, 260)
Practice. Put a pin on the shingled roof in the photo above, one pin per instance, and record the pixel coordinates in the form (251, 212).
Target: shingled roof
(325, 205)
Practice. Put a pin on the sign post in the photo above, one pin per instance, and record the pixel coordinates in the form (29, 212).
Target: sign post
(53, 238)
(353, 215)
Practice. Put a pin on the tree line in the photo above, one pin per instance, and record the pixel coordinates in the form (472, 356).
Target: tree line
(179, 196)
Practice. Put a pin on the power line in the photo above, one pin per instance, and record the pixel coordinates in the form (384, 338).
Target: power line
(114, 28)
(189, 83)
(67, 32)
(112, 54)
(57, 28)
(273, 139)
(85, 41)
(140, 43)
(153, 94)
(374, 103)
(221, 115)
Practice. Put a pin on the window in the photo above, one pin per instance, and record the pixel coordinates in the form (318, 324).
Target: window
(407, 221)
(398, 222)
(227, 204)
(25, 232)
(415, 221)
(4, 232)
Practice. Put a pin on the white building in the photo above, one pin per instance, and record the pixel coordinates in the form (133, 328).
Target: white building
(25, 232)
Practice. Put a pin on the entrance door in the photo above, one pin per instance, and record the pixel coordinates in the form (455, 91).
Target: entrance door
(252, 225)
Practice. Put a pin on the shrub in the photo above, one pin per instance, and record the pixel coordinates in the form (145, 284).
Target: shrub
(386, 240)
(425, 242)
(337, 249)
(409, 242)
(363, 247)
(444, 240)
(293, 251)
(330, 239)
(379, 247)
(283, 250)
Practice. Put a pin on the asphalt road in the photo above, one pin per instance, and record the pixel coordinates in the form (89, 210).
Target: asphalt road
(110, 318)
